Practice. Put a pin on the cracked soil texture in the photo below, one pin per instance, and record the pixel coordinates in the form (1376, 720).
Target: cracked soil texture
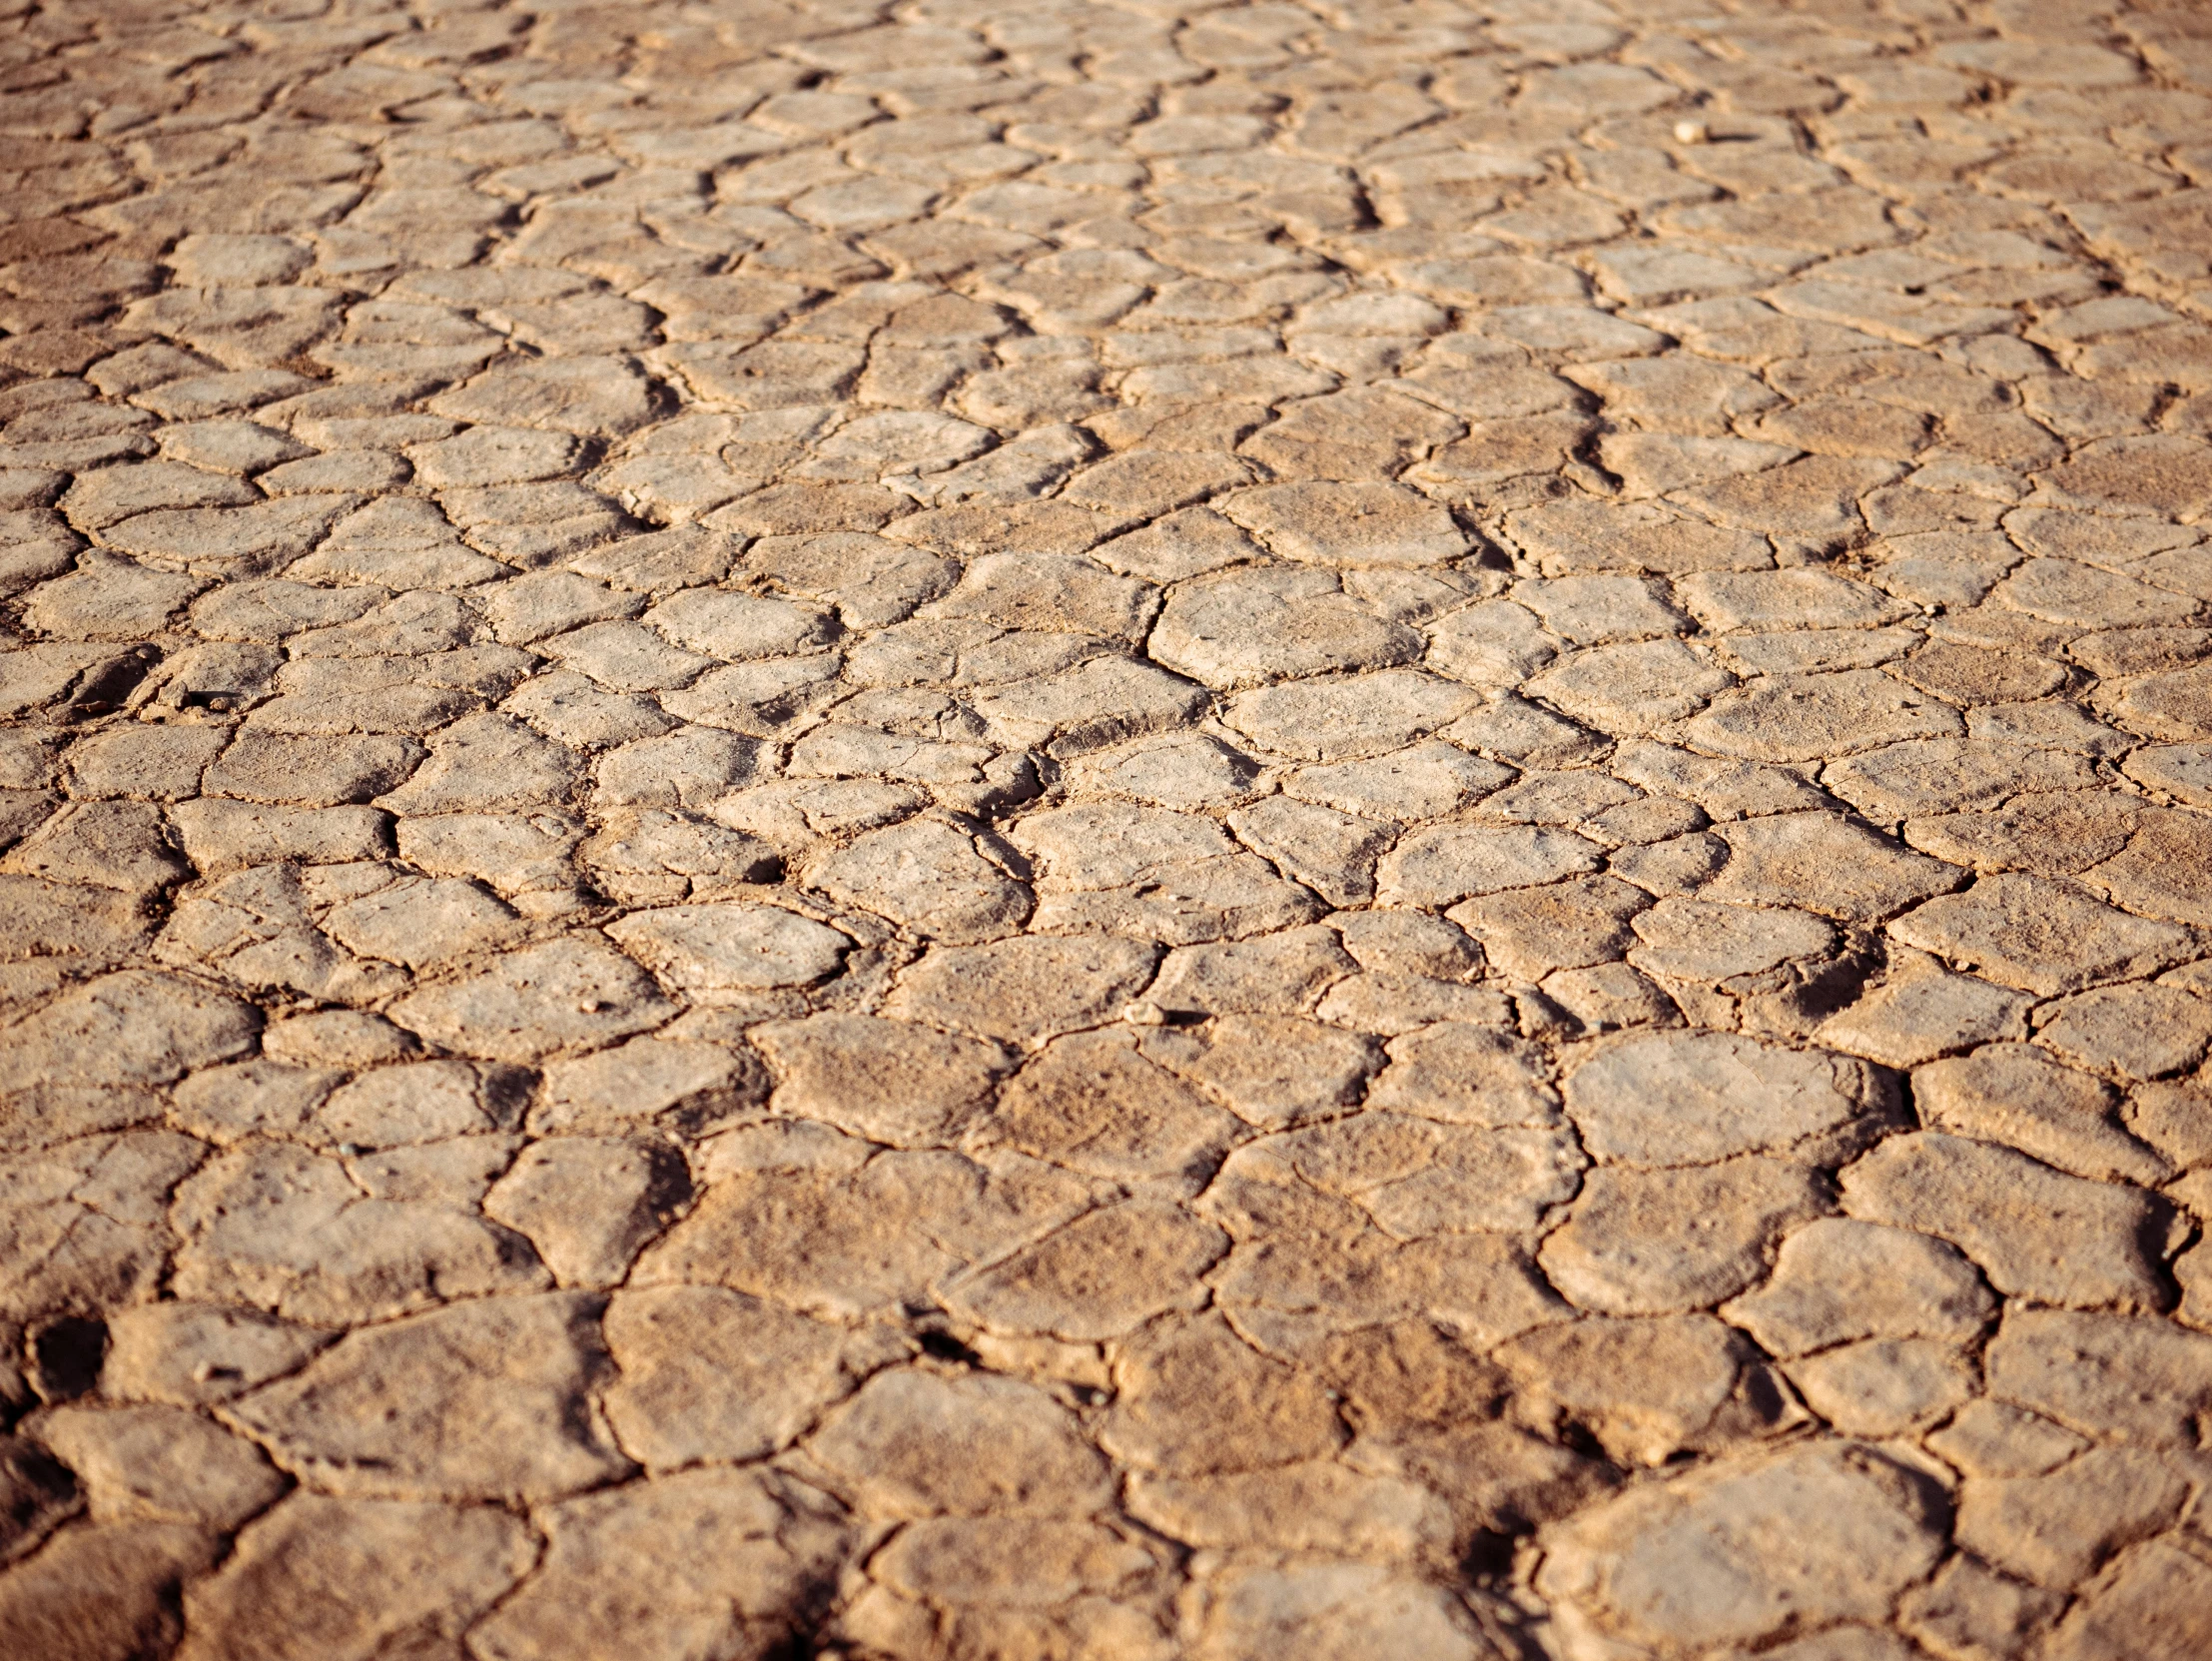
(1106, 830)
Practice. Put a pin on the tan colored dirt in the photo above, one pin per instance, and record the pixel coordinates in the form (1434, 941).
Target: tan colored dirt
(1106, 830)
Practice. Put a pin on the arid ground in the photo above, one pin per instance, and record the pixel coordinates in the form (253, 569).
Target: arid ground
(1106, 830)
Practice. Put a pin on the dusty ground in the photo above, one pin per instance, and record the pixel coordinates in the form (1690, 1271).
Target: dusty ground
(1046, 830)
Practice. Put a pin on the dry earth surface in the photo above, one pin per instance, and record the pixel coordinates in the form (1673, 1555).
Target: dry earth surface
(1330, 831)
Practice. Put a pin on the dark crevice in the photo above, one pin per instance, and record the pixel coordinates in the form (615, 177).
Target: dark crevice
(66, 1357)
(942, 1346)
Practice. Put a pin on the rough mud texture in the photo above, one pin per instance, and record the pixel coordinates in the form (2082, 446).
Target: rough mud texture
(970, 831)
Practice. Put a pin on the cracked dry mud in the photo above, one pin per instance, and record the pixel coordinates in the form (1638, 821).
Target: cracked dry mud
(1106, 830)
